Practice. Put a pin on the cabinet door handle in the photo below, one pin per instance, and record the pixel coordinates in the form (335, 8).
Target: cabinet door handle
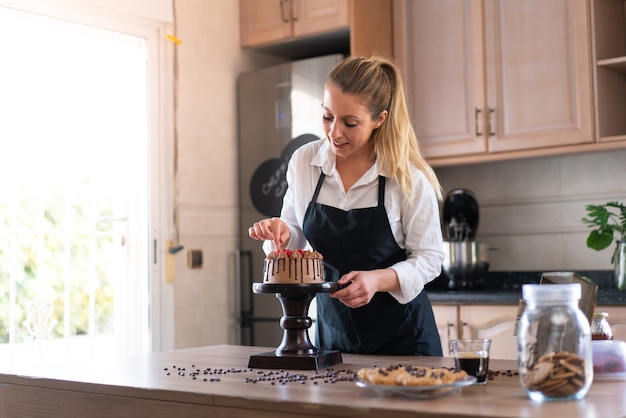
(294, 7)
(449, 328)
(489, 127)
(461, 331)
(282, 10)
(477, 113)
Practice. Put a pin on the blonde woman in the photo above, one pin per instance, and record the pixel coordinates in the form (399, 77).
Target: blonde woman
(368, 202)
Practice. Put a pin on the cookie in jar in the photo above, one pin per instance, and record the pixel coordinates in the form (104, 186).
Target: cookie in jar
(554, 344)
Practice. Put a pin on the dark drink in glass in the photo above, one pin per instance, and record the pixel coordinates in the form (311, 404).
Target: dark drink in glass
(473, 364)
(472, 356)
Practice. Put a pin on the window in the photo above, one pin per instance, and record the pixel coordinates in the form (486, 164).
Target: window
(81, 163)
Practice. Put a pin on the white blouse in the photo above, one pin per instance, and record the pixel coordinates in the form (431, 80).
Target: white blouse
(415, 223)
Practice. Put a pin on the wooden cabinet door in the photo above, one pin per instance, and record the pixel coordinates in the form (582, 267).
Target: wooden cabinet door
(539, 76)
(439, 46)
(264, 21)
(494, 76)
(446, 318)
(495, 322)
(316, 16)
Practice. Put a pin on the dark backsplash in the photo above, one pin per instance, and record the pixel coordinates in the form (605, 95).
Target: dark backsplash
(513, 280)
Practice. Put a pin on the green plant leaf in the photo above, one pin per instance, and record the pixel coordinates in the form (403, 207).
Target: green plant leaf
(598, 240)
(605, 221)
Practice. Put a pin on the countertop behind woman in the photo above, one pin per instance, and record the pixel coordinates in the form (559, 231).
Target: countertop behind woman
(505, 288)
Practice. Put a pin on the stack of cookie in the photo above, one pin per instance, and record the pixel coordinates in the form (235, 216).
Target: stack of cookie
(556, 375)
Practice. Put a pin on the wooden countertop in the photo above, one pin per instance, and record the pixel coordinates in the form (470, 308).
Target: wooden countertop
(140, 386)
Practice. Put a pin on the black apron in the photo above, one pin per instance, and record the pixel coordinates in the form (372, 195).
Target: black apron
(361, 239)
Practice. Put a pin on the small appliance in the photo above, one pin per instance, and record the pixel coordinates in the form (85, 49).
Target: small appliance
(467, 261)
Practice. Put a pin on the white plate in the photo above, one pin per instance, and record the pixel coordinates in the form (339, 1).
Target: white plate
(419, 392)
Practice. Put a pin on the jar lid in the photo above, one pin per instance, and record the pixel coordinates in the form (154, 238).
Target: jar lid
(551, 292)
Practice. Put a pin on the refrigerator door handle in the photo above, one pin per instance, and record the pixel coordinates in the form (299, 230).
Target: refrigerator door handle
(244, 281)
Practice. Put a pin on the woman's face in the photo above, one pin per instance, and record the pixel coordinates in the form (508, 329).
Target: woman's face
(348, 124)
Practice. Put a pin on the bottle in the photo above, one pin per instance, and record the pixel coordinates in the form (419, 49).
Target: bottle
(554, 344)
(600, 328)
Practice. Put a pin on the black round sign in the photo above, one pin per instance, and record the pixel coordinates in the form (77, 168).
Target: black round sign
(269, 181)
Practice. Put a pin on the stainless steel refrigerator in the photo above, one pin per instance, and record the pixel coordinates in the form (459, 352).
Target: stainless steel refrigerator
(279, 110)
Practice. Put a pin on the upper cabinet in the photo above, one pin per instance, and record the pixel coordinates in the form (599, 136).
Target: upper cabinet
(538, 72)
(439, 46)
(303, 28)
(268, 21)
(609, 30)
(496, 77)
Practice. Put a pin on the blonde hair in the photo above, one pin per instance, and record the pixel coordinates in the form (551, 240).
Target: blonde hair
(377, 80)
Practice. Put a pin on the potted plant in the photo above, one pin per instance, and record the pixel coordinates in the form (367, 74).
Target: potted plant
(607, 221)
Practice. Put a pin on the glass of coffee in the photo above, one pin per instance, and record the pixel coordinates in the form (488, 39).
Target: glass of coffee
(472, 355)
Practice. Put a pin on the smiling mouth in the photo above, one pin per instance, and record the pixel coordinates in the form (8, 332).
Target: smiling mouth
(339, 144)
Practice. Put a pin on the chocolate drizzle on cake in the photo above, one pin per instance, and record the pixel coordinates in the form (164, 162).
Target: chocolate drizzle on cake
(293, 267)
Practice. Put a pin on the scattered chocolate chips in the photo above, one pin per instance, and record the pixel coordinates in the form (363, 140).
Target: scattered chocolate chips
(492, 374)
(282, 377)
(274, 377)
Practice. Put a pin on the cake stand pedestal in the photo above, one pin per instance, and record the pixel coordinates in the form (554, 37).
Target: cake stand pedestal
(295, 351)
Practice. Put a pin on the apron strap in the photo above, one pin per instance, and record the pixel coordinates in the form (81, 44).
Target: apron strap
(381, 189)
(318, 187)
(381, 192)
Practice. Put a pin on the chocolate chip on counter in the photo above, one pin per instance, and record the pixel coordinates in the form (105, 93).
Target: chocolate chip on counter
(281, 376)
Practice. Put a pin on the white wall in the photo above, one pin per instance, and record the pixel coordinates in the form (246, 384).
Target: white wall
(531, 209)
(209, 60)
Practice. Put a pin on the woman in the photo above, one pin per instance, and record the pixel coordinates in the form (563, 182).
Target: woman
(368, 202)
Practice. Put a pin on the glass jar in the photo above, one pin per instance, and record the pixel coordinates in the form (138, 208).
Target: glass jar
(554, 344)
(600, 328)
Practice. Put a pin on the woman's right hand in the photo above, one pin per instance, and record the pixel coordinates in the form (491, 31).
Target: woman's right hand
(273, 229)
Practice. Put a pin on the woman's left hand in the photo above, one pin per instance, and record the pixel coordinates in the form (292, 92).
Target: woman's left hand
(360, 288)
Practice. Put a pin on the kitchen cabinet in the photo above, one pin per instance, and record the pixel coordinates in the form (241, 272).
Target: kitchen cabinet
(267, 21)
(317, 27)
(496, 322)
(609, 27)
(447, 321)
(487, 78)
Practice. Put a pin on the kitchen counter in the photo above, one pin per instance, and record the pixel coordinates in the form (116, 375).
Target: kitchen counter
(505, 288)
(606, 297)
(166, 385)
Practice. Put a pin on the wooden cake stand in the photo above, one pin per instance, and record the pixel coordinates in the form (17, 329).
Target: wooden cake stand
(295, 351)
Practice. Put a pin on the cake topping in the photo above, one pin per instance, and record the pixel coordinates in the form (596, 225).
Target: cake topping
(294, 254)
